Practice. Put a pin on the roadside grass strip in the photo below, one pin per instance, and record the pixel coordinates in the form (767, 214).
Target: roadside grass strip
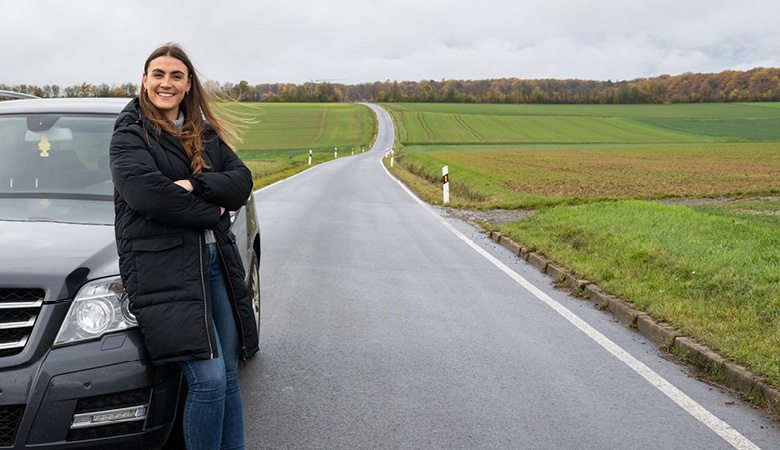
(714, 277)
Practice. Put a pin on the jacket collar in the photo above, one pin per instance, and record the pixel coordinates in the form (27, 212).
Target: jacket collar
(131, 114)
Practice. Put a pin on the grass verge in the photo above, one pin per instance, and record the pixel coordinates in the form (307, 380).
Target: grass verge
(710, 272)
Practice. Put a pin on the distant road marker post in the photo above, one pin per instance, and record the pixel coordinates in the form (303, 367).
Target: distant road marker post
(336, 152)
(446, 179)
(309, 157)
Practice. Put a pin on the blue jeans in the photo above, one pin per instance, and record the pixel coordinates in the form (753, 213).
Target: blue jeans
(213, 413)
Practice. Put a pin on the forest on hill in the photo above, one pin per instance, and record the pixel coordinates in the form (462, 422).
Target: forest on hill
(760, 84)
(756, 85)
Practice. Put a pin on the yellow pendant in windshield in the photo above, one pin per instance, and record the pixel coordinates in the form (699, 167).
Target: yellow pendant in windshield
(44, 146)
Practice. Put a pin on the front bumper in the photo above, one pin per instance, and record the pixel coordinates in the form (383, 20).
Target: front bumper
(95, 383)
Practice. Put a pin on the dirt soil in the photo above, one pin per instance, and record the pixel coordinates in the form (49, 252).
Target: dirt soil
(497, 216)
(493, 216)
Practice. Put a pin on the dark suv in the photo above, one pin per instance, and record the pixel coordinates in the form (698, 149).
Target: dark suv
(73, 369)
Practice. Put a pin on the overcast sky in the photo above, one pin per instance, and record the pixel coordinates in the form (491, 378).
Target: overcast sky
(350, 41)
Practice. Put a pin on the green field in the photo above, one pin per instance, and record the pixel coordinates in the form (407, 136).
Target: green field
(526, 156)
(671, 111)
(426, 123)
(278, 138)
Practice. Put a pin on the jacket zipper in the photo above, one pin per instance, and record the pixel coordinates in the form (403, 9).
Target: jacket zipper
(201, 239)
(233, 303)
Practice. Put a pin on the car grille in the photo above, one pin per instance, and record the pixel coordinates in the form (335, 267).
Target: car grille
(19, 309)
(9, 421)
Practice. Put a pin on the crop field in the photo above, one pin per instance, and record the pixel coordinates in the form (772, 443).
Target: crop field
(699, 111)
(279, 136)
(526, 156)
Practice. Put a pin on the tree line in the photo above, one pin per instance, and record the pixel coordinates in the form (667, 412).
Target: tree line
(78, 90)
(756, 85)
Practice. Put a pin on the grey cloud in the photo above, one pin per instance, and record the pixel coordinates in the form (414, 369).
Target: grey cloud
(70, 42)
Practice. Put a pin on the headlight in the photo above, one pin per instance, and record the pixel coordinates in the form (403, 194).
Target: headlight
(100, 307)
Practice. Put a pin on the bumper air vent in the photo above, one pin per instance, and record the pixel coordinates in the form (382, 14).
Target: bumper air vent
(9, 421)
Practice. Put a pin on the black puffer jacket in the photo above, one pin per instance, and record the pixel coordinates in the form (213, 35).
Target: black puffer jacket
(161, 240)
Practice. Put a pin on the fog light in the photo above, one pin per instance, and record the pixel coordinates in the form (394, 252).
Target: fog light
(109, 417)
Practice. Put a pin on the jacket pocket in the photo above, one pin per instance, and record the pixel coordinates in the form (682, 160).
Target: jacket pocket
(158, 243)
(158, 266)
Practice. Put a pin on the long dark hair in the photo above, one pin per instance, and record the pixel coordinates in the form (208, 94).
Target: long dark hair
(194, 106)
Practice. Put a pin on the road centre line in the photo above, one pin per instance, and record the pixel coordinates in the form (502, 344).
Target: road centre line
(724, 430)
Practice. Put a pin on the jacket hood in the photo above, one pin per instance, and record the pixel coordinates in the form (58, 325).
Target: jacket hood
(129, 115)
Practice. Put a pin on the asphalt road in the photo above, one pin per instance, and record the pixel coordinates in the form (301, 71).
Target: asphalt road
(383, 328)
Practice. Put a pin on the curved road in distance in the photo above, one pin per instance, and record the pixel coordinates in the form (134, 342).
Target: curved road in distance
(384, 329)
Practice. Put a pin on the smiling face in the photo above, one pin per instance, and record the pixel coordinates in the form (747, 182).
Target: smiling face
(166, 81)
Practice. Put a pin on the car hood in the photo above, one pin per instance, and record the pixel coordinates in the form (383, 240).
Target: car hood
(51, 250)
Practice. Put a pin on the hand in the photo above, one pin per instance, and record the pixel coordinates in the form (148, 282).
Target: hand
(185, 184)
(221, 210)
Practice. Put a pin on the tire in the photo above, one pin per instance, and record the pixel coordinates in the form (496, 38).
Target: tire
(254, 288)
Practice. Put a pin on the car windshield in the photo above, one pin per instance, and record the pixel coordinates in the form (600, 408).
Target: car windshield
(56, 156)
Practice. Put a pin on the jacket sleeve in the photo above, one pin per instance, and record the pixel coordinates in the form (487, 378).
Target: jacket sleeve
(230, 187)
(149, 192)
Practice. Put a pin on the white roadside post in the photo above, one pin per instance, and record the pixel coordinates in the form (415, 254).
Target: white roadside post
(309, 157)
(446, 179)
(336, 152)
(353, 151)
(392, 155)
(362, 148)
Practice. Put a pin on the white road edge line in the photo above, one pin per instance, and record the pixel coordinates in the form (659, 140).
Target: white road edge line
(724, 430)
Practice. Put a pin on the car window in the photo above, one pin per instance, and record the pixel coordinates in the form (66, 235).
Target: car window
(55, 155)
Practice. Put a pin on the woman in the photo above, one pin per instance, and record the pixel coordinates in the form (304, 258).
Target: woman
(174, 179)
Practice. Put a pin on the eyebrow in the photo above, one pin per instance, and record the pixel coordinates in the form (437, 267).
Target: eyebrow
(162, 71)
